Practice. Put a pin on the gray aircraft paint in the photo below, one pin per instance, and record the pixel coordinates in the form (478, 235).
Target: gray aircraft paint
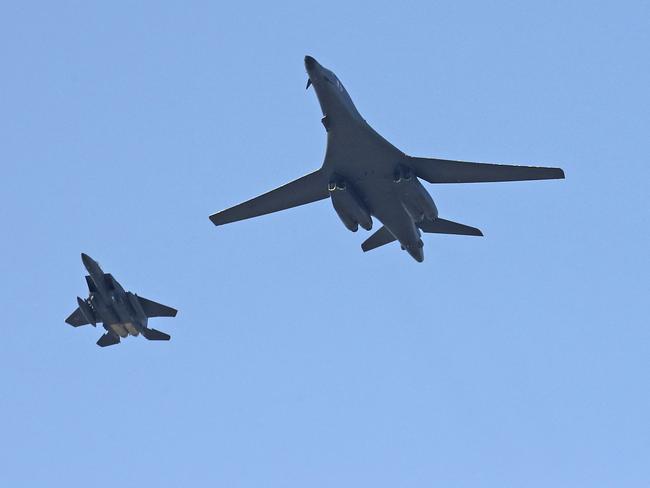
(121, 313)
(365, 175)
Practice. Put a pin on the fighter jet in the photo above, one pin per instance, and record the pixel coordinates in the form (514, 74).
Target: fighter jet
(122, 313)
(365, 176)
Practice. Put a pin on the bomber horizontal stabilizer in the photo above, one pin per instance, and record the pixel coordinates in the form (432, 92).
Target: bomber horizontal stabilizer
(381, 237)
(447, 171)
(153, 309)
(108, 339)
(155, 335)
(442, 226)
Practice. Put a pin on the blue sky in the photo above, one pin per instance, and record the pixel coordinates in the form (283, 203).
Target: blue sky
(518, 359)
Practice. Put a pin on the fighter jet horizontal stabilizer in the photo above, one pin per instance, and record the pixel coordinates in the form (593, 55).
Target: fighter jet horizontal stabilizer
(108, 339)
(155, 335)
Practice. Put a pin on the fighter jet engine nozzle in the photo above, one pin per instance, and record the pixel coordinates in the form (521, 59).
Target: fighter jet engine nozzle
(419, 204)
(348, 206)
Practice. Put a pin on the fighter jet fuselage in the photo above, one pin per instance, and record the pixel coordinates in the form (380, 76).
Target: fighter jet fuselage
(121, 312)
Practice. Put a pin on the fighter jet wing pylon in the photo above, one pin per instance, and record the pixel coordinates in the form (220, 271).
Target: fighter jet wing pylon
(447, 171)
(153, 309)
(307, 189)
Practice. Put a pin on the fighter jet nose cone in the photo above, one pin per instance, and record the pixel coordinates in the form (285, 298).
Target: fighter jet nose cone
(87, 260)
(310, 62)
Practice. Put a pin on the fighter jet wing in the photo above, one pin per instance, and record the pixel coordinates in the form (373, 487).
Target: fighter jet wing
(77, 318)
(153, 309)
(309, 188)
(446, 171)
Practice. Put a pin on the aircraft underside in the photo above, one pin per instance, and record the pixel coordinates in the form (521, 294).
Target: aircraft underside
(364, 175)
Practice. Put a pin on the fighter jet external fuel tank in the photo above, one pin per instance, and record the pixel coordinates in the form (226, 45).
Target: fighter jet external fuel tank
(366, 176)
(121, 313)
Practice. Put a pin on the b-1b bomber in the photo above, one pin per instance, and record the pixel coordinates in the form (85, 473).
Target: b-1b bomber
(365, 176)
(122, 313)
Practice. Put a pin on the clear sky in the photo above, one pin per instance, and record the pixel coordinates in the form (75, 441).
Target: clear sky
(519, 359)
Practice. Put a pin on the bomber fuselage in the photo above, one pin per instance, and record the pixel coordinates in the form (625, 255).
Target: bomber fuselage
(370, 166)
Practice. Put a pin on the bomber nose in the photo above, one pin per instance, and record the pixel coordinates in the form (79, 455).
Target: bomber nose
(310, 62)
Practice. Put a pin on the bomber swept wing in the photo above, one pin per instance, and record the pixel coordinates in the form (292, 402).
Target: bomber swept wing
(307, 189)
(448, 171)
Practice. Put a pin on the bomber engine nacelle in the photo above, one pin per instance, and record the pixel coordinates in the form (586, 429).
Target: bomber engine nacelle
(416, 200)
(348, 206)
(86, 311)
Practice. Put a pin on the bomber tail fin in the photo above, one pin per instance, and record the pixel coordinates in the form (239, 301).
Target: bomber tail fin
(155, 335)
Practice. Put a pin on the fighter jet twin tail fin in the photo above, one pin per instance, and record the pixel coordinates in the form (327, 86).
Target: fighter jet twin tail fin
(438, 226)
